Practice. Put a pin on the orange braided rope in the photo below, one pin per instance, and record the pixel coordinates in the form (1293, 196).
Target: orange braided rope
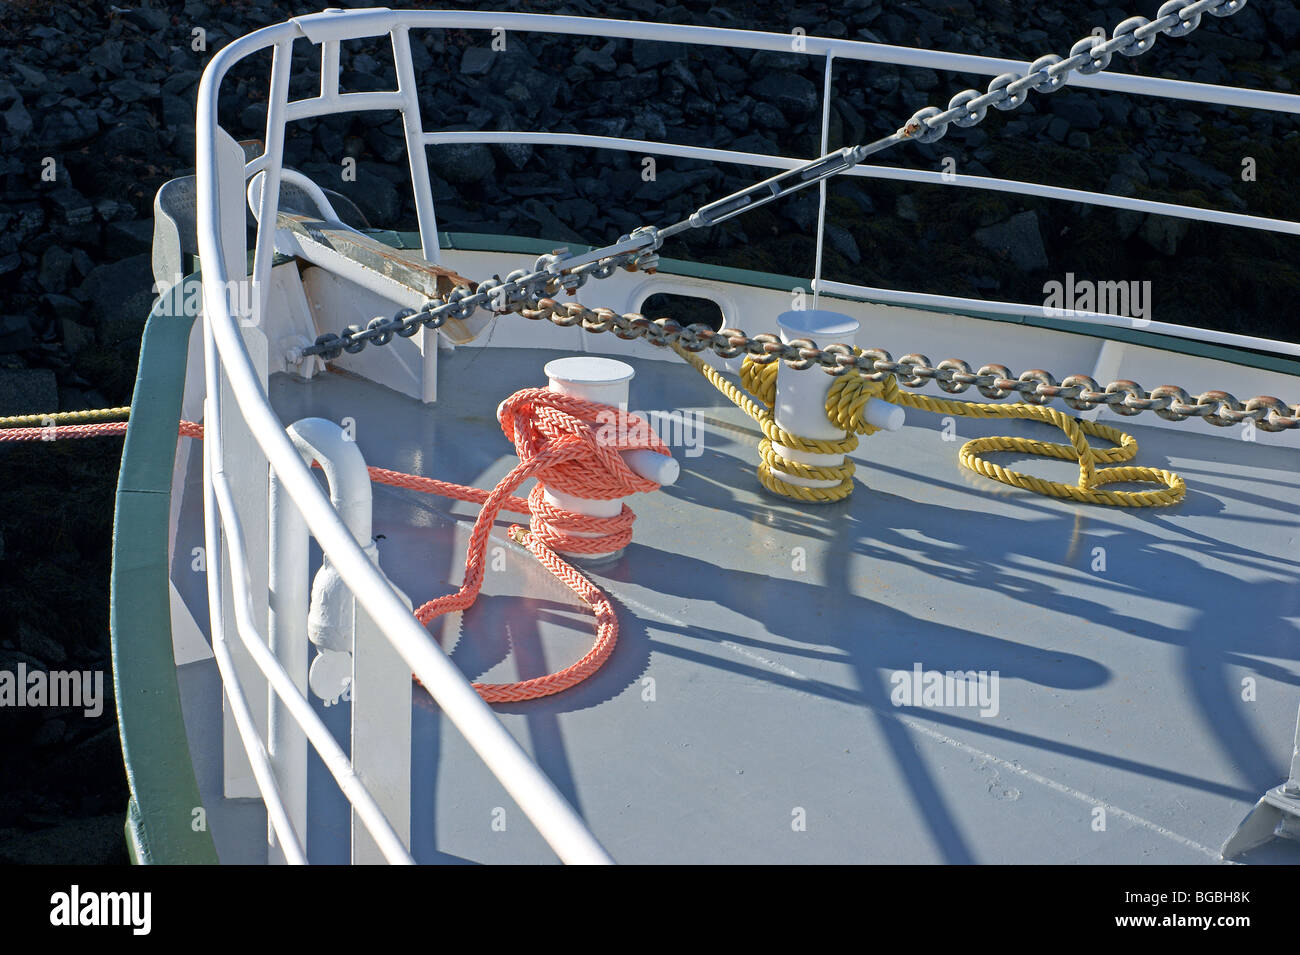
(561, 442)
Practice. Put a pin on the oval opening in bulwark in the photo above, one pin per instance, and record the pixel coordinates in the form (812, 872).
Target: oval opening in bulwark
(683, 309)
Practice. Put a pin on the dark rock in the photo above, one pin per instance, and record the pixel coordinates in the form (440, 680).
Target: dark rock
(768, 116)
(63, 128)
(1018, 239)
(131, 140)
(669, 183)
(461, 163)
(71, 207)
(613, 126)
(793, 94)
(842, 241)
(109, 56)
(477, 60)
(32, 80)
(76, 337)
(602, 60)
(887, 81)
(178, 112)
(1163, 233)
(17, 121)
(40, 646)
(94, 841)
(122, 294)
(1127, 222)
(56, 263)
(387, 144)
(679, 71)
(651, 54)
(516, 155)
(1286, 21)
(131, 237)
(1201, 170)
(1079, 112)
(50, 732)
(15, 334)
(550, 226)
(374, 194)
(132, 90)
(756, 143)
(923, 80)
(27, 391)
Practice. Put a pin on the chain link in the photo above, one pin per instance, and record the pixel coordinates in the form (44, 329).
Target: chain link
(1091, 54)
(530, 293)
(954, 376)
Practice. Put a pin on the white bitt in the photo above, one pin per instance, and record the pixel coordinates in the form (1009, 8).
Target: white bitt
(605, 380)
(801, 397)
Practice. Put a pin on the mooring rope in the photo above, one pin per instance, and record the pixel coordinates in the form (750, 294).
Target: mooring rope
(845, 406)
(560, 441)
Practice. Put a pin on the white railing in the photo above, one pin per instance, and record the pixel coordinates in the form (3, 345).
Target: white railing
(223, 256)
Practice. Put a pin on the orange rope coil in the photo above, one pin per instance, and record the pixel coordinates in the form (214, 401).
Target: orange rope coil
(560, 441)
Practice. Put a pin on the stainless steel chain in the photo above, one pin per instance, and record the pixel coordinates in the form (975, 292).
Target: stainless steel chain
(954, 376)
(528, 293)
(520, 289)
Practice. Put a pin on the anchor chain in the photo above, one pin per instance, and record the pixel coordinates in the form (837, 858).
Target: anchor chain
(637, 249)
(1091, 54)
(954, 376)
(530, 293)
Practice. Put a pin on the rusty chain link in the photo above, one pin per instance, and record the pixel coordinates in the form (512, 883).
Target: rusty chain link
(528, 293)
(954, 376)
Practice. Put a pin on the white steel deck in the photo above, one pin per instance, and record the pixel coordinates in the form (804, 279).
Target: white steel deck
(743, 690)
(1121, 689)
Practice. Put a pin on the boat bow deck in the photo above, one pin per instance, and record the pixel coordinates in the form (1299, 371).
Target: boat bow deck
(1146, 659)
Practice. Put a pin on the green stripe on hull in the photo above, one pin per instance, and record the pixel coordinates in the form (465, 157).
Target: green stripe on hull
(164, 792)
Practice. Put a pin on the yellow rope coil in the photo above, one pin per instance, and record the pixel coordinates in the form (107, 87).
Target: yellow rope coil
(845, 404)
(63, 417)
(760, 381)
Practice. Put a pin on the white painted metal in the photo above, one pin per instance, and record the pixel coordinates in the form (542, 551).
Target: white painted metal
(287, 638)
(250, 482)
(335, 760)
(242, 386)
(417, 156)
(328, 444)
(401, 364)
(607, 381)
(318, 27)
(801, 399)
(379, 680)
(534, 793)
(381, 728)
(827, 72)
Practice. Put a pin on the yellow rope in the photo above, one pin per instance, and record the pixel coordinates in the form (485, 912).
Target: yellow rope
(845, 404)
(64, 417)
(760, 381)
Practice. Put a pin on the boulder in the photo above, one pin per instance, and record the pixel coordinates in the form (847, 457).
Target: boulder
(1018, 239)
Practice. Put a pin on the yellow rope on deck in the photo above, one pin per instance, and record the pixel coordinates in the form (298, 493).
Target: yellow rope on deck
(61, 417)
(849, 395)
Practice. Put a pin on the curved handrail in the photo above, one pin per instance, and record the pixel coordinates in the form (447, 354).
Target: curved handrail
(535, 794)
(225, 351)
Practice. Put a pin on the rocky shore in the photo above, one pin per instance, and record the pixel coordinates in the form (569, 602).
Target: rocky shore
(97, 111)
